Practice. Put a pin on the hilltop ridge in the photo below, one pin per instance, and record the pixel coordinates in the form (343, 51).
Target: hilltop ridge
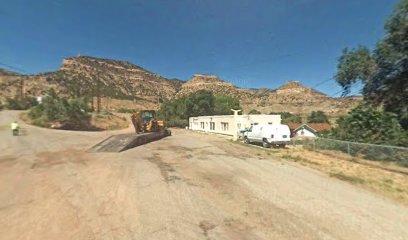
(124, 84)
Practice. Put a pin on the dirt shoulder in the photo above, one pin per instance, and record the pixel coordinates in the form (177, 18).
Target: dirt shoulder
(387, 179)
(187, 186)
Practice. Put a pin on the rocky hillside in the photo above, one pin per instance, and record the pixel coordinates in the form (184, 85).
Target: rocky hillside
(4, 73)
(122, 84)
(291, 97)
(213, 84)
(89, 76)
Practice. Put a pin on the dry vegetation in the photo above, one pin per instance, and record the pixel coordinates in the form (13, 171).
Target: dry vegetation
(103, 121)
(109, 121)
(387, 179)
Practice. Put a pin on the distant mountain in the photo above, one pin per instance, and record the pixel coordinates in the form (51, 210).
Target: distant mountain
(290, 97)
(214, 84)
(123, 84)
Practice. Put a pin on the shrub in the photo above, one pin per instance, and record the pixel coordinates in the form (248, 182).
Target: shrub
(17, 104)
(369, 125)
(177, 122)
(317, 117)
(69, 113)
(201, 103)
(254, 111)
(288, 117)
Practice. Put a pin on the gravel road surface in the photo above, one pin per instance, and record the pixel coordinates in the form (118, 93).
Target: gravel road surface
(187, 186)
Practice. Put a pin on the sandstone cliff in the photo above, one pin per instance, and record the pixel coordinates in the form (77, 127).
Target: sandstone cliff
(122, 84)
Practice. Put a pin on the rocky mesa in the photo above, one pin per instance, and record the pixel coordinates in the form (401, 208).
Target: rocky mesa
(123, 84)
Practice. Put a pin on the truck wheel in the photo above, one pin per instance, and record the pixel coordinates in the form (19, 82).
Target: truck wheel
(265, 144)
(246, 140)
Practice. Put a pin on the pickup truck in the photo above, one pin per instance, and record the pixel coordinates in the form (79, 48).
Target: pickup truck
(269, 135)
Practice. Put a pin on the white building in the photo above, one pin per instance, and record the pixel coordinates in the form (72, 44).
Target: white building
(309, 130)
(39, 99)
(230, 124)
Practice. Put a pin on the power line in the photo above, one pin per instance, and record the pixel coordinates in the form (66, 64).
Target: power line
(12, 67)
(334, 94)
(322, 82)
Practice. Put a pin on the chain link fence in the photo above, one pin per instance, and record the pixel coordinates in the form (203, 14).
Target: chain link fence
(367, 151)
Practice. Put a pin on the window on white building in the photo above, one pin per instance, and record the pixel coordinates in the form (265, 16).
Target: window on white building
(224, 126)
(202, 125)
(212, 125)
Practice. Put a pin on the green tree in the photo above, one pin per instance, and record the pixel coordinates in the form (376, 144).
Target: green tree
(70, 113)
(177, 111)
(224, 103)
(354, 65)
(200, 103)
(288, 117)
(366, 124)
(254, 112)
(383, 71)
(20, 104)
(317, 117)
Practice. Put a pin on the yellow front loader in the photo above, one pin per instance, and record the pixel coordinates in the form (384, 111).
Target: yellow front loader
(145, 121)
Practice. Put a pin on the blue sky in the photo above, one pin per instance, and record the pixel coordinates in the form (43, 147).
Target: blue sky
(251, 43)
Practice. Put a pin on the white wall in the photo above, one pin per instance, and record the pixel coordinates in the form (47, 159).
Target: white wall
(226, 124)
(306, 133)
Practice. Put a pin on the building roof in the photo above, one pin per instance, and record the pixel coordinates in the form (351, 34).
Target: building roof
(316, 127)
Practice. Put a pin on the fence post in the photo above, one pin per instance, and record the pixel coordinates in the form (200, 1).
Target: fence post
(348, 148)
(314, 144)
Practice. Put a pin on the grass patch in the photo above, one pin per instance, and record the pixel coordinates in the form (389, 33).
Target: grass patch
(389, 181)
(403, 163)
(299, 159)
(377, 178)
(348, 178)
(293, 158)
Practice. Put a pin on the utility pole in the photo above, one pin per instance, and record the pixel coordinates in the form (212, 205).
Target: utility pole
(21, 89)
(98, 96)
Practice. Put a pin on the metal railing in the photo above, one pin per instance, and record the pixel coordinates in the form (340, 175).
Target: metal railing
(367, 151)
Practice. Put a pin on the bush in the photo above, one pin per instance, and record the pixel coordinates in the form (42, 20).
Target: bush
(68, 113)
(368, 125)
(317, 117)
(288, 117)
(254, 111)
(224, 103)
(201, 103)
(17, 104)
(177, 122)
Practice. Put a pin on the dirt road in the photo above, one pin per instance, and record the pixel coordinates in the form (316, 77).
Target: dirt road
(188, 186)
